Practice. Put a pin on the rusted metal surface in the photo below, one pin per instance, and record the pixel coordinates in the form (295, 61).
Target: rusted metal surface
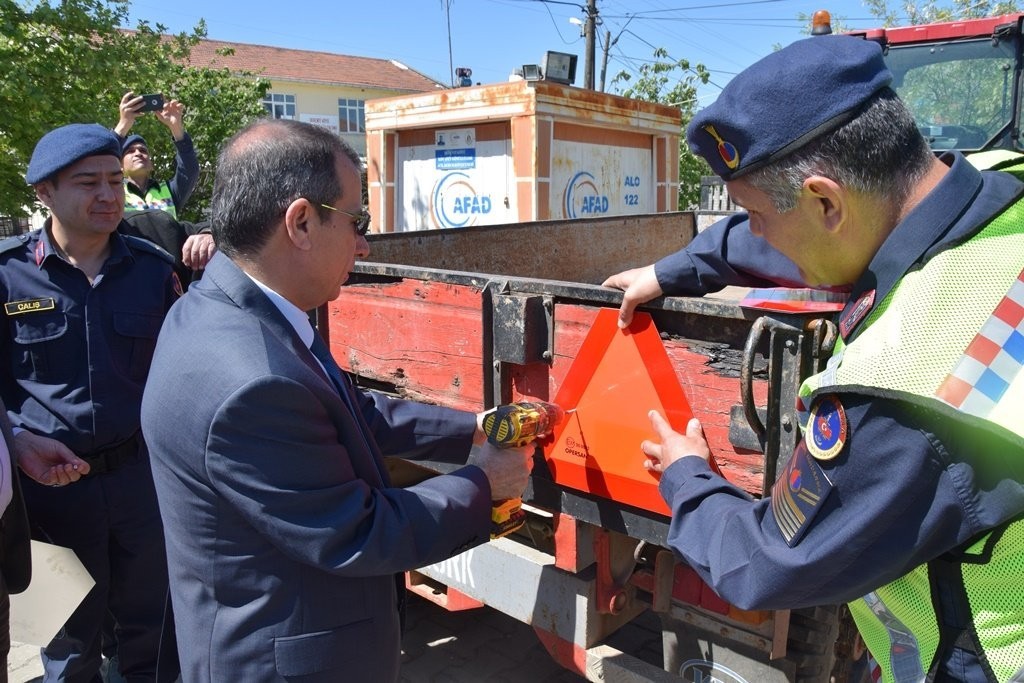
(424, 339)
(578, 251)
(516, 98)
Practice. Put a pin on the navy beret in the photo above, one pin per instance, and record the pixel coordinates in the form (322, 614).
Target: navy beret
(782, 102)
(63, 146)
(131, 140)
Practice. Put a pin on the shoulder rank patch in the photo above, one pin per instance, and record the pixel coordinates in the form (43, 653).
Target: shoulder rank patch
(29, 306)
(798, 494)
(826, 426)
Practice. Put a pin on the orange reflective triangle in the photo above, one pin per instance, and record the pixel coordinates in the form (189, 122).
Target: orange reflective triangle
(615, 379)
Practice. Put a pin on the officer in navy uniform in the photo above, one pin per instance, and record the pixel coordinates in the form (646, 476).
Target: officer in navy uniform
(905, 495)
(83, 305)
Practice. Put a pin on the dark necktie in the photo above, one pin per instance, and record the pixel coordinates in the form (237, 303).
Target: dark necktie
(322, 354)
(341, 384)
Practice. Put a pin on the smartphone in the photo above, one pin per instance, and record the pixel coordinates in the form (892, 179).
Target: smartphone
(154, 102)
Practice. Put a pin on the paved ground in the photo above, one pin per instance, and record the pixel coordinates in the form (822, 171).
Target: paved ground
(439, 647)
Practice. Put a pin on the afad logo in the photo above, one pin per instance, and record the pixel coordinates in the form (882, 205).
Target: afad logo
(455, 203)
(582, 197)
(701, 671)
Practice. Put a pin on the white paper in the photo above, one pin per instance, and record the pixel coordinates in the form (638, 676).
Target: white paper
(59, 584)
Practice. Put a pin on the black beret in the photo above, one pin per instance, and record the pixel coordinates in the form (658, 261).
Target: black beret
(131, 140)
(63, 146)
(782, 102)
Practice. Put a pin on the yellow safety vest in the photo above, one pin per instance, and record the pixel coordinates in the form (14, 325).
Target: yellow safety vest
(949, 336)
(158, 196)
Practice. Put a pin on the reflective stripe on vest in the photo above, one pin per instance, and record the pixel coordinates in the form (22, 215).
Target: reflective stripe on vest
(157, 197)
(950, 335)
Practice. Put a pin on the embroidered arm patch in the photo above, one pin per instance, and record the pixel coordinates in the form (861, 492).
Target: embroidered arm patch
(798, 494)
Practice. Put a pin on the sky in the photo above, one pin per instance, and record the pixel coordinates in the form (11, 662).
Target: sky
(493, 37)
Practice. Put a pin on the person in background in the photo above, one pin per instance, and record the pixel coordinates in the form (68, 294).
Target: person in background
(82, 308)
(142, 190)
(905, 496)
(285, 538)
(15, 538)
(191, 244)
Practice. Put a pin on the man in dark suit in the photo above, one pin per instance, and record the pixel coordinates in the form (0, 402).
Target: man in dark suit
(284, 536)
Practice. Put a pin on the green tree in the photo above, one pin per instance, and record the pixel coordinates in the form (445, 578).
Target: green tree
(68, 61)
(927, 12)
(963, 93)
(673, 83)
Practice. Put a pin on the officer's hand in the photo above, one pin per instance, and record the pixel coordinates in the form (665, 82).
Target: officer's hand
(508, 469)
(673, 444)
(128, 110)
(198, 250)
(640, 286)
(47, 460)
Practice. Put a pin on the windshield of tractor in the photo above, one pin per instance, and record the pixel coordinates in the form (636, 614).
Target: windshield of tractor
(961, 93)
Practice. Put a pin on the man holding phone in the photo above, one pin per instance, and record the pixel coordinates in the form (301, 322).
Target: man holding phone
(142, 191)
(190, 244)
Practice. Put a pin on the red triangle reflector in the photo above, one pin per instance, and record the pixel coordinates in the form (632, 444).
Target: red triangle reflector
(615, 379)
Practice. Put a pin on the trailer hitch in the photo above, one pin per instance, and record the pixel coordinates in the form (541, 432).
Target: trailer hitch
(794, 353)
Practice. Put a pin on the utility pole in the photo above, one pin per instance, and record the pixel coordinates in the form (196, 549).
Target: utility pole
(591, 33)
(604, 55)
(608, 42)
(451, 63)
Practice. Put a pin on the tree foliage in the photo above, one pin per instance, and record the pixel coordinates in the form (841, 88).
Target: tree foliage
(67, 61)
(961, 95)
(666, 81)
(926, 12)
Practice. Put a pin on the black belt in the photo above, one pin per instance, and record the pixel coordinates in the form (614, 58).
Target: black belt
(109, 459)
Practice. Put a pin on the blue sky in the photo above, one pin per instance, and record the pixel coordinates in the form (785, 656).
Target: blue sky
(492, 37)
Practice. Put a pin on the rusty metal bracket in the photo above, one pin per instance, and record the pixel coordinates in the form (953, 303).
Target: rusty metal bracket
(611, 594)
(523, 328)
(747, 378)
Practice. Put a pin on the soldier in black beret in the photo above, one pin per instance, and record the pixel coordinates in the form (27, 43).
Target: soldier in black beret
(895, 499)
(82, 308)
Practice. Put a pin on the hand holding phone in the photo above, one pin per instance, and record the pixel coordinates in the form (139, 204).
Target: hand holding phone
(152, 102)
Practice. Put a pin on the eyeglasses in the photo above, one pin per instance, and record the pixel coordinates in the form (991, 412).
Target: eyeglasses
(361, 220)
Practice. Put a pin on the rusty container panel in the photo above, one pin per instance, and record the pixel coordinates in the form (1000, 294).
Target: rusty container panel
(518, 151)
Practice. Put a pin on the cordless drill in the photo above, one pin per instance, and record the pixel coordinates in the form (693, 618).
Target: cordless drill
(508, 426)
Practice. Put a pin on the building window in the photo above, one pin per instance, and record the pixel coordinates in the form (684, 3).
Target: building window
(351, 116)
(279, 106)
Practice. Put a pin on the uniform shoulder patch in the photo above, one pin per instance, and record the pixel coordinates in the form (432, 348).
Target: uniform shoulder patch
(144, 245)
(826, 428)
(9, 243)
(798, 494)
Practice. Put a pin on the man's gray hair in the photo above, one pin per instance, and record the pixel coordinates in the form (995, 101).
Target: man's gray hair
(262, 169)
(880, 153)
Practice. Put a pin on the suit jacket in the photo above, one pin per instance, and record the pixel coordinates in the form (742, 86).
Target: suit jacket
(283, 536)
(15, 536)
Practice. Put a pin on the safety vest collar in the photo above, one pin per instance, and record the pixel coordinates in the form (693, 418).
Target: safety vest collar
(935, 225)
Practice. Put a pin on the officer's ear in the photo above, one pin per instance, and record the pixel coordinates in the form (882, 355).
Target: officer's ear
(297, 218)
(45, 191)
(832, 201)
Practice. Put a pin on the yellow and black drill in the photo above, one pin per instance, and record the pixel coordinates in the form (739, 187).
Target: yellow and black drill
(511, 425)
